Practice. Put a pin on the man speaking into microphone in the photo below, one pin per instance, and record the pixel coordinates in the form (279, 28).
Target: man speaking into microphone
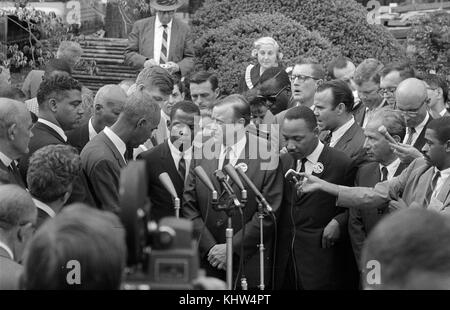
(314, 250)
(233, 145)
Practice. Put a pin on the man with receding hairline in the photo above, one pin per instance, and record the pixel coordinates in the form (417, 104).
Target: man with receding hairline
(104, 156)
(17, 222)
(15, 134)
(108, 104)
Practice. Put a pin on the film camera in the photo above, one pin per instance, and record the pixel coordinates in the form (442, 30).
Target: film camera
(160, 255)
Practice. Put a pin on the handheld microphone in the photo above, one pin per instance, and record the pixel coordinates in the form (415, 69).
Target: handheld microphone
(229, 169)
(164, 178)
(200, 172)
(222, 178)
(292, 176)
(254, 189)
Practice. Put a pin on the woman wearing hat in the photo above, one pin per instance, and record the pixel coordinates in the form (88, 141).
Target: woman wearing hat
(161, 40)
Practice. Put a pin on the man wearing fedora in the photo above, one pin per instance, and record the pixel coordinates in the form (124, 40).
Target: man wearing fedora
(161, 40)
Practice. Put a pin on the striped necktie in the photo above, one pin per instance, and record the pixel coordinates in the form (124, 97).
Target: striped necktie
(164, 52)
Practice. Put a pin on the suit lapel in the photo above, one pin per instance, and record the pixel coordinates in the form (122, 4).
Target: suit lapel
(114, 150)
(444, 193)
(151, 37)
(420, 142)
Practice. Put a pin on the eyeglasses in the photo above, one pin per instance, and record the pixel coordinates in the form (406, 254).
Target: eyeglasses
(413, 112)
(301, 77)
(368, 93)
(389, 91)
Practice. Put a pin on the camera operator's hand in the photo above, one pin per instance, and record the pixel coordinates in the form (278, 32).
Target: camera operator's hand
(217, 256)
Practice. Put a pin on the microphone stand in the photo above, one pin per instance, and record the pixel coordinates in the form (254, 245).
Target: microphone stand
(261, 244)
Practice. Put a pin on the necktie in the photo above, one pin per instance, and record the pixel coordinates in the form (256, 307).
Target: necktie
(163, 56)
(301, 166)
(411, 132)
(128, 155)
(182, 167)
(384, 174)
(327, 139)
(432, 187)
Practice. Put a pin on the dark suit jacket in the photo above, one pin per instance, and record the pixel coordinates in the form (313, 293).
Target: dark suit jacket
(362, 221)
(352, 142)
(43, 136)
(13, 177)
(197, 206)
(306, 217)
(141, 44)
(102, 163)
(359, 113)
(10, 272)
(79, 136)
(158, 160)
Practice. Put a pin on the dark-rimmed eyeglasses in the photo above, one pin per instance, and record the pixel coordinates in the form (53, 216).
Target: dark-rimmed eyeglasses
(413, 112)
(301, 77)
(389, 91)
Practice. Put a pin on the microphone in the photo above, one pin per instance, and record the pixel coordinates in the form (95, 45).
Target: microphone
(292, 176)
(229, 169)
(200, 172)
(221, 177)
(254, 189)
(164, 178)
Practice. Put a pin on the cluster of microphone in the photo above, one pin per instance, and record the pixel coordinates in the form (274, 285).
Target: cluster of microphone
(237, 175)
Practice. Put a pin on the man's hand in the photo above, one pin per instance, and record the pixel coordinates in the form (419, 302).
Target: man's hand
(217, 256)
(406, 153)
(331, 234)
(150, 63)
(172, 67)
(395, 205)
(309, 184)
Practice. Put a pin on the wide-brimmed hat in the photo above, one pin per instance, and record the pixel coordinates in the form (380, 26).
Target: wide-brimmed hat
(165, 5)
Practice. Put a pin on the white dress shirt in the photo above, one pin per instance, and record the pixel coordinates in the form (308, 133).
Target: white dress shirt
(118, 143)
(159, 29)
(7, 249)
(32, 105)
(443, 112)
(340, 132)
(40, 205)
(92, 132)
(5, 159)
(312, 159)
(234, 153)
(176, 155)
(418, 129)
(391, 168)
(444, 176)
(54, 127)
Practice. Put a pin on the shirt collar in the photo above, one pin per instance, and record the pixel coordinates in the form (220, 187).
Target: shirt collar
(420, 127)
(176, 152)
(314, 156)
(337, 134)
(44, 207)
(443, 112)
(55, 127)
(92, 132)
(116, 140)
(444, 173)
(5, 159)
(7, 249)
(159, 25)
(391, 168)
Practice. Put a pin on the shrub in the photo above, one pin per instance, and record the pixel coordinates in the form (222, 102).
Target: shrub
(342, 22)
(227, 50)
(429, 42)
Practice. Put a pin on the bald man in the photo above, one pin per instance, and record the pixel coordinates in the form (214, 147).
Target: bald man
(104, 156)
(15, 134)
(108, 104)
(411, 99)
(18, 218)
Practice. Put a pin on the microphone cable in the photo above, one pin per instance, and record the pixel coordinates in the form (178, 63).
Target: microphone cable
(241, 256)
(274, 255)
(294, 231)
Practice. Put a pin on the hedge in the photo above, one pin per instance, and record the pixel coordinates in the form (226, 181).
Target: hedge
(429, 42)
(227, 50)
(343, 23)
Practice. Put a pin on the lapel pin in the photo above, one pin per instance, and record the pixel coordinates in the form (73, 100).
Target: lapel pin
(318, 168)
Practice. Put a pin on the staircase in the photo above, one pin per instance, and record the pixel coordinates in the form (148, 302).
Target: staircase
(102, 63)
